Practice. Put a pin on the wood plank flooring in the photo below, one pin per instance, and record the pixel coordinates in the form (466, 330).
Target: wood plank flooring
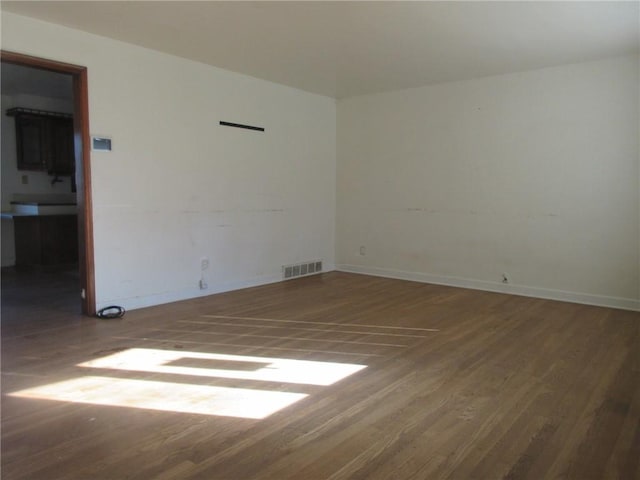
(458, 384)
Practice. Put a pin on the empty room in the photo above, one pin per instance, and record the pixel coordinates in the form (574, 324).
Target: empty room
(320, 240)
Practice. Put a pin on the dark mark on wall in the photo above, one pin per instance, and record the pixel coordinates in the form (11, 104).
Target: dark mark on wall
(240, 125)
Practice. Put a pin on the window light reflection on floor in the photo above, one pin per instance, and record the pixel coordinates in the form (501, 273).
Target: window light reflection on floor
(173, 397)
(191, 397)
(269, 369)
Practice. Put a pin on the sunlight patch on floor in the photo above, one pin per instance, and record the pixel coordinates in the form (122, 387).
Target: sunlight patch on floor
(191, 397)
(268, 369)
(172, 397)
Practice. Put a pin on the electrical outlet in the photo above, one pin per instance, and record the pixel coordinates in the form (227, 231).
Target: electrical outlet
(204, 263)
(25, 179)
(363, 250)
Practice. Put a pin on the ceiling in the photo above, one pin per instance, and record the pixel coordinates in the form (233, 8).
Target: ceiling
(342, 49)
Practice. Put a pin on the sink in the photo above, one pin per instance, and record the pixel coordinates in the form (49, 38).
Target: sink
(43, 209)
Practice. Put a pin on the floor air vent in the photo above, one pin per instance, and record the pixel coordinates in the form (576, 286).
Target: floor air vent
(301, 269)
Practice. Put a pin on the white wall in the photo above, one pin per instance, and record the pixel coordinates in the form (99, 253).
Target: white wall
(177, 186)
(534, 174)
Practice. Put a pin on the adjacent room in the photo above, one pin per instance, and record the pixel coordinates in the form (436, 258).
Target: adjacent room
(352, 240)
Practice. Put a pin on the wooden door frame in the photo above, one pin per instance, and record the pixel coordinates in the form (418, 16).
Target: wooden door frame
(83, 166)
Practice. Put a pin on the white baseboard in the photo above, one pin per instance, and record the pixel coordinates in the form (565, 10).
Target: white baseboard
(133, 303)
(587, 299)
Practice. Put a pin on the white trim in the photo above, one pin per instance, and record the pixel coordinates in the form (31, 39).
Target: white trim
(133, 303)
(526, 291)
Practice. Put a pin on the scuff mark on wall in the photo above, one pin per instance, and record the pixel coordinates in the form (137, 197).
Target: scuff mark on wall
(432, 211)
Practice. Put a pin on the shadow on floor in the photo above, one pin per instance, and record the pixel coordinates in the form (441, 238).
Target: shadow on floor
(38, 298)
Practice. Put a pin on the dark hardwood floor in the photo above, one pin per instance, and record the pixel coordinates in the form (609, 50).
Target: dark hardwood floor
(456, 384)
(33, 298)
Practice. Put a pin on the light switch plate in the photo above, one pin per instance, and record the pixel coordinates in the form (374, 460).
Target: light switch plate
(100, 143)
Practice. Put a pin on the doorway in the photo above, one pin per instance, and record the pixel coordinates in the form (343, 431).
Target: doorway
(82, 176)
